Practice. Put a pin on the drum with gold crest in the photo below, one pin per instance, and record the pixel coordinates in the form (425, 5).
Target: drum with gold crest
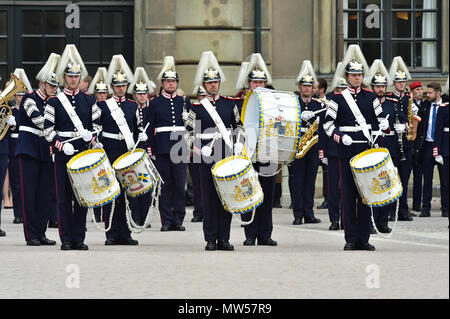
(376, 177)
(93, 179)
(237, 185)
(136, 172)
(273, 125)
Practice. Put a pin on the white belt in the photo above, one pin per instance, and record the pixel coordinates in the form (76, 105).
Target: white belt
(169, 129)
(14, 135)
(113, 136)
(446, 129)
(352, 128)
(69, 134)
(209, 136)
(35, 131)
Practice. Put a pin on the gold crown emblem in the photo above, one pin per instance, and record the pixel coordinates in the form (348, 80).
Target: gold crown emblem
(356, 66)
(171, 74)
(380, 78)
(101, 173)
(141, 86)
(245, 181)
(211, 74)
(120, 77)
(101, 86)
(258, 74)
(382, 174)
(400, 74)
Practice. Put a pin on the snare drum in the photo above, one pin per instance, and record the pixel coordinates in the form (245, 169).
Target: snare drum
(273, 124)
(237, 184)
(376, 177)
(92, 177)
(135, 173)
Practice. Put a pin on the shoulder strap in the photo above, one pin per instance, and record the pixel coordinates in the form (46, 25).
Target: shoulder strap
(119, 117)
(357, 113)
(218, 121)
(71, 112)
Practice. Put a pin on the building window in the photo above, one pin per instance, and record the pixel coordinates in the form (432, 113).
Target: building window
(29, 33)
(388, 28)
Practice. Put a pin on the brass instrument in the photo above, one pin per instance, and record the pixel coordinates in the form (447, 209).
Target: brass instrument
(413, 122)
(14, 86)
(308, 140)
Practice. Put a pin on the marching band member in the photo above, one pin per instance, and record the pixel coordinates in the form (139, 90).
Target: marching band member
(304, 170)
(417, 93)
(120, 123)
(33, 152)
(242, 84)
(13, 163)
(141, 88)
(99, 90)
(379, 79)
(70, 114)
(440, 153)
(328, 156)
(362, 105)
(432, 147)
(210, 145)
(262, 226)
(167, 147)
(194, 171)
(400, 75)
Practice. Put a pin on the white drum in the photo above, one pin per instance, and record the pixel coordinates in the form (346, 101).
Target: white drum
(136, 172)
(237, 184)
(376, 177)
(92, 177)
(273, 124)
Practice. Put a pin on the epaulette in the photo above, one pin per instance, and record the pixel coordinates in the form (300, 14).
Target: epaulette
(443, 104)
(196, 104)
(51, 97)
(132, 100)
(393, 99)
(232, 98)
(367, 90)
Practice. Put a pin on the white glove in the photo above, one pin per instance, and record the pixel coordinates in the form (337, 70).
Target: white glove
(185, 116)
(307, 115)
(415, 109)
(68, 149)
(142, 137)
(399, 128)
(325, 160)
(206, 151)
(86, 135)
(238, 147)
(384, 124)
(11, 120)
(347, 140)
(97, 145)
(439, 159)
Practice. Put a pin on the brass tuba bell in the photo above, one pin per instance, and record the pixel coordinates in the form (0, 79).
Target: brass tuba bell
(14, 86)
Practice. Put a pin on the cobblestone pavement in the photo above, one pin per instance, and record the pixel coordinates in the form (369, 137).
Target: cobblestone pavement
(309, 262)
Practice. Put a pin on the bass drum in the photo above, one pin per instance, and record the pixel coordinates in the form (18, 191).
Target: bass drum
(272, 123)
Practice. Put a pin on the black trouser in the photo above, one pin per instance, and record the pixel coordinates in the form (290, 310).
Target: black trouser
(355, 214)
(140, 206)
(172, 206)
(3, 169)
(333, 189)
(194, 172)
(14, 182)
(35, 185)
(216, 220)
(417, 184)
(404, 170)
(262, 224)
(119, 228)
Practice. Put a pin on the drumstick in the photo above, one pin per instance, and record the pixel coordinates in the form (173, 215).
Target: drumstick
(135, 144)
(320, 111)
(78, 137)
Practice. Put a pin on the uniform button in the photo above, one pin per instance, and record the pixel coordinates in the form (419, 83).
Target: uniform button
(75, 130)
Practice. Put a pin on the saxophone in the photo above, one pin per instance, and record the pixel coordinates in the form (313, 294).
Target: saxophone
(14, 86)
(308, 140)
(413, 122)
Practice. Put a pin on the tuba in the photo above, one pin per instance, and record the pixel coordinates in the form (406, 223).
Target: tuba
(14, 86)
(308, 140)
(413, 122)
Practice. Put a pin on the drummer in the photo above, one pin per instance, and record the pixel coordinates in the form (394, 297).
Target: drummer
(99, 89)
(60, 126)
(379, 79)
(141, 88)
(118, 138)
(262, 226)
(340, 124)
(210, 145)
(303, 171)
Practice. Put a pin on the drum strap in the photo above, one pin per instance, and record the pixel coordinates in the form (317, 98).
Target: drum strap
(226, 135)
(71, 112)
(119, 117)
(357, 113)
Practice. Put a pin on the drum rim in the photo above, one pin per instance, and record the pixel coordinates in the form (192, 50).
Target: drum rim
(371, 167)
(248, 208)
(386, 202)
(233, 176)
(107, 200)
(88, 167)
(132, 165)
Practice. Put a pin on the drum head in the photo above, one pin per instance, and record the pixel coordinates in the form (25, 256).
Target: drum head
(128, 159)
(231, 167)
(368, 159)
(86, 158)
(250, 120)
